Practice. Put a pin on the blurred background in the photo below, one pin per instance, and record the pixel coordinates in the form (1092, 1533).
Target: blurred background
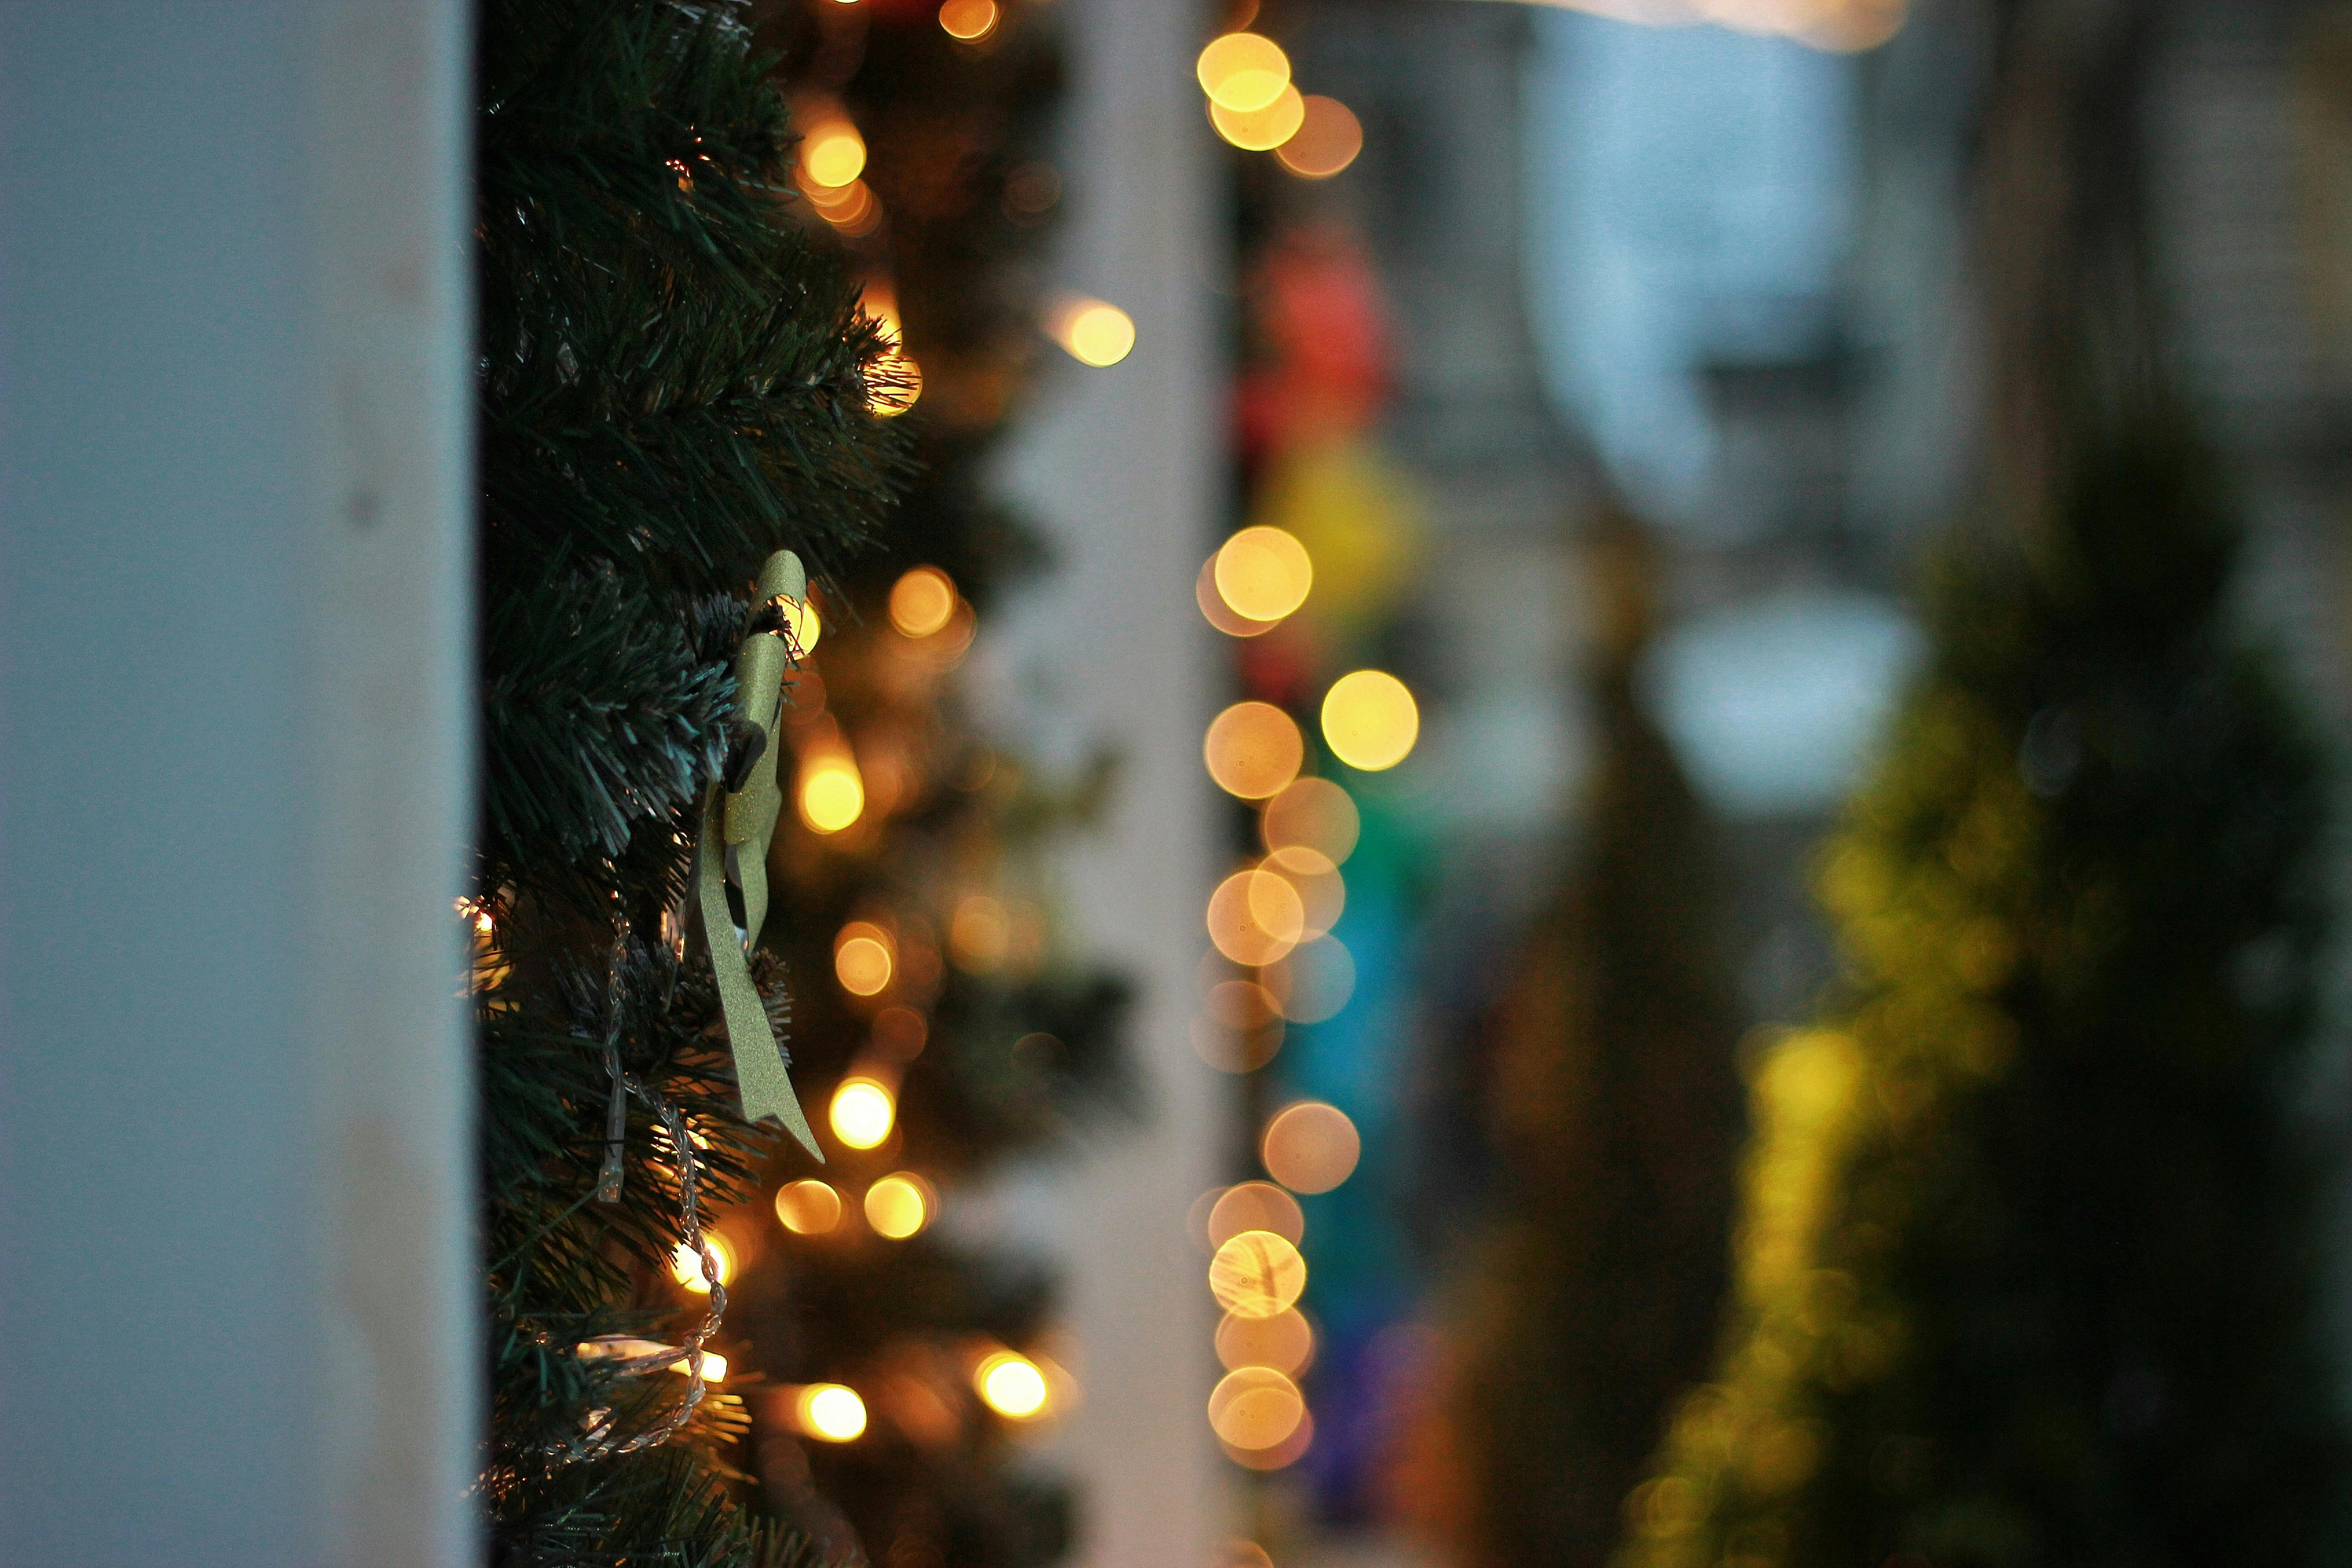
(1526, 627)
(1614, 373)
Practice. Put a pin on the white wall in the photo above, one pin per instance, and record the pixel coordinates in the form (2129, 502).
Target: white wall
(236, 1294)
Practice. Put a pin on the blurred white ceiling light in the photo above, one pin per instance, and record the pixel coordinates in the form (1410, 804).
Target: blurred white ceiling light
(1775, 706)
(1841, 24)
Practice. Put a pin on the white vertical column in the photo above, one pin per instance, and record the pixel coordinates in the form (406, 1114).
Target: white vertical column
(238, 1310)
(1122, 467)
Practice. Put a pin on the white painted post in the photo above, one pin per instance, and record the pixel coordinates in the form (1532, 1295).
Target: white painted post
(1123, 466)
(237, 1308)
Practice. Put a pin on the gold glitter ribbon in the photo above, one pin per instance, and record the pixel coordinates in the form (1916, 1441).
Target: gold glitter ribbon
(732, 842)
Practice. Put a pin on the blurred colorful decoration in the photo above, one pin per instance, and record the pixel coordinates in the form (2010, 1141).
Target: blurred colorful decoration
(1306, 994)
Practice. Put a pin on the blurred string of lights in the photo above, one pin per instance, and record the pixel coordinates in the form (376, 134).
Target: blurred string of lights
(1840, 26)
(828, 170)
(1272, 919)
(1254, 105)
(935, 624)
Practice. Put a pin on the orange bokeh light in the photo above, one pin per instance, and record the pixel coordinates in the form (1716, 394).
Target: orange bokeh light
(1285, 1342)
(1328, 139)
(1255, 1206)
(1313, 817)
(1254, 750)
(1310, 1147)
(1256, 918)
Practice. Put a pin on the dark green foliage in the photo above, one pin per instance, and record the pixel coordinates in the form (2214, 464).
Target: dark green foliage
(2027, 1272)
(673, 386)
(909, 1310)
(1016, 1067)
(604, 709)
(1615, 1106)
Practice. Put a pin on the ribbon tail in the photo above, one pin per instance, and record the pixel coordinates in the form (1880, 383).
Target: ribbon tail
(760, 1075)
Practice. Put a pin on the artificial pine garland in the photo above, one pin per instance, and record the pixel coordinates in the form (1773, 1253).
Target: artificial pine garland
(673, 386)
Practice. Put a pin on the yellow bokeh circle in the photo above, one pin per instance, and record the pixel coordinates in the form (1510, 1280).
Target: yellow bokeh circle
(1098, 334)
(861, 1112)
(1256, 918)
(1256, 1274)
(686, 1264)
(1256, 1407)
(831, 795)
(1264, 574)
(829, 1411)
(1242, 71)
(1011, 1384)
(1254, 750)
(833, 153)
(1261, 130)
(1311, 1147)
(900, 1206)
(808, 1207)
(922, 602)
(1370, 721)
(861, 958)
(1285, 1343)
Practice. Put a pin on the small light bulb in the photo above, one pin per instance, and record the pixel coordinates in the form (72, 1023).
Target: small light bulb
(832, 1412)
(1011, 1384)
(686, 1264)
(861, 1112)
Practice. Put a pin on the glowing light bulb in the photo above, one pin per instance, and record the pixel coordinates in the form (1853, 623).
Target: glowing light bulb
(831, 795)
(1311, 1147)
(1256, 1274)
(808, 1207)
(1264, 574)
(830, 1411)
(861, 958)
(807, 626)
(833, 153)
(1261, 130)
(922, 602)
(714, 1367)
(1011, 1385)
(895, 384)
(968, 20)
(1242, 71)
(900, 1206)
(1370, 721)
(1092, 332)
(686, 1264)
(861, 1112)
